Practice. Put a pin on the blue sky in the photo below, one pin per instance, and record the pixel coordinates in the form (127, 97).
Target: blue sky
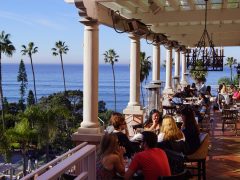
(46, 21)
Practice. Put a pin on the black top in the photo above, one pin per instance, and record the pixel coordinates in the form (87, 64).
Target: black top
(192, 140)
(124, 141)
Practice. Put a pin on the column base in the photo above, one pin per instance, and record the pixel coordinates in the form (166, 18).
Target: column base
(133, 116)
(90, 135)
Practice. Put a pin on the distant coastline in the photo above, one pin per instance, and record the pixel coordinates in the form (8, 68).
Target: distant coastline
(49, 80)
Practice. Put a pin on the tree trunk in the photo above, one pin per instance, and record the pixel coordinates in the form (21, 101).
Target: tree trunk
(63, 74)
(1, 93)
(142, 95)
(231, 74)
(115, 98)
(35, 93)
(24, 161)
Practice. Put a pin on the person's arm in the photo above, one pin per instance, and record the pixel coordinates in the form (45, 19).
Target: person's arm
(119, 161)
(129, 174)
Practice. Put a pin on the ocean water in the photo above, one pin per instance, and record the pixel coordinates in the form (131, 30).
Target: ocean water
(49, 80)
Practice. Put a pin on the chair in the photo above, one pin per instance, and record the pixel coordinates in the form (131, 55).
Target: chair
(230, 116)
(170, 110)
(199, 157)
(185, 175)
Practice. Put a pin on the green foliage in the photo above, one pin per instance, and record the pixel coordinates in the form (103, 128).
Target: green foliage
(4, 146)
(30, 98)
(230, 62)
(105, 116)
(22, 78)
(197, 75)
(225, 80)
(7, 48)
(30, 50)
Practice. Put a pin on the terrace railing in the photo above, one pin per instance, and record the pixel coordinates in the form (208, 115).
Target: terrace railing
(79, 162)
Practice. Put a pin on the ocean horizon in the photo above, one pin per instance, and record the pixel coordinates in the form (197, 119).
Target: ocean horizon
(49, 80)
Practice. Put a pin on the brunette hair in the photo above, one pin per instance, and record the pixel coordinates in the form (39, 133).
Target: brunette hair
(108, 145)
(149, 138)
(149, 121)
(189, 122)
(117, 120)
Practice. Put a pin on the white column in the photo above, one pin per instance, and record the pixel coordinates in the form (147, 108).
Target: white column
(177, 69)
(184, 70)
(168, 86)
(156, 62)
(90, 78)
(134, 112)
(134, 96)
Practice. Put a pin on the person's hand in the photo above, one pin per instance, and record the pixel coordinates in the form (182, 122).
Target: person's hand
(121, 150)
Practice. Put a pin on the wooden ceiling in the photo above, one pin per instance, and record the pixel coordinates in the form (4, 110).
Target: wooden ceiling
(183, 20)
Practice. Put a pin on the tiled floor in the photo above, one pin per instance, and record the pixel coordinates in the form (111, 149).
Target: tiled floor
(223, 161)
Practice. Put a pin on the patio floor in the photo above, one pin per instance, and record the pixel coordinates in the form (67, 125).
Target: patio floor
(223, 161)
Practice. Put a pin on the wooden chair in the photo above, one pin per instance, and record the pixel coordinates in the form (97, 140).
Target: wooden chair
(185, 175)
(199, 157)
(230, 116)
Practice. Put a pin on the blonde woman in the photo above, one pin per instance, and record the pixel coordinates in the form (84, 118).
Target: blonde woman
(170, 131)
(110, 161)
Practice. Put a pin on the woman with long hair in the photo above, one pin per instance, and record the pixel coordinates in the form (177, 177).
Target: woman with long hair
(110, 159)
(120, 129)
(190, 129)
(154, 122)
(170, 131)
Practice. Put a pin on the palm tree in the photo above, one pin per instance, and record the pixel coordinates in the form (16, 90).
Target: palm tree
(7, 48)
(60, 49)
(111, 57)
(30, 51)
(145, 68)
(230, 63)
(23, 134)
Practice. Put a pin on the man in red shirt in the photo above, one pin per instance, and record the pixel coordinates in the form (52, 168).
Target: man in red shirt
(152, 161)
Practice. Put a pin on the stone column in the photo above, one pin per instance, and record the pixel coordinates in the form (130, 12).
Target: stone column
(177, 68)
(133, 112)
(156, 62)
(89, 129)
(168, 86)
(134, 71)
(184, 71)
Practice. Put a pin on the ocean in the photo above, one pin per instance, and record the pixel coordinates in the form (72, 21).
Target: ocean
(49, 80)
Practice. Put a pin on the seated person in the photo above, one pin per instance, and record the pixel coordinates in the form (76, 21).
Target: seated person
(169, 130)
(154, 122)
(152, 162)
(176, 99)
(110, 161)
(203, 105)
(190, 130)
(236, 94)
(119, 124)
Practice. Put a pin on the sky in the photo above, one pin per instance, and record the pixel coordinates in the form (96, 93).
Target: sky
(45, 22)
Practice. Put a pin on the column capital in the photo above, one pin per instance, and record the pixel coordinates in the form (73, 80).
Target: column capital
(134, 36)
(89, 22)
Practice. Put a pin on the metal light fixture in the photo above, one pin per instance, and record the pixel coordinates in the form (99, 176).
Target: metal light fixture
(205, 57)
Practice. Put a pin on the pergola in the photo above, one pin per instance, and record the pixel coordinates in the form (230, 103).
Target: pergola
(181, 21)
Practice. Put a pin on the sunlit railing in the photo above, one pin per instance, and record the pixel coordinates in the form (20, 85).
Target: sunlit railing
(80, 162)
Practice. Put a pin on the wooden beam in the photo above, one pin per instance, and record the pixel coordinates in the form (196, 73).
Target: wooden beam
(187, 16)
(196, 29)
